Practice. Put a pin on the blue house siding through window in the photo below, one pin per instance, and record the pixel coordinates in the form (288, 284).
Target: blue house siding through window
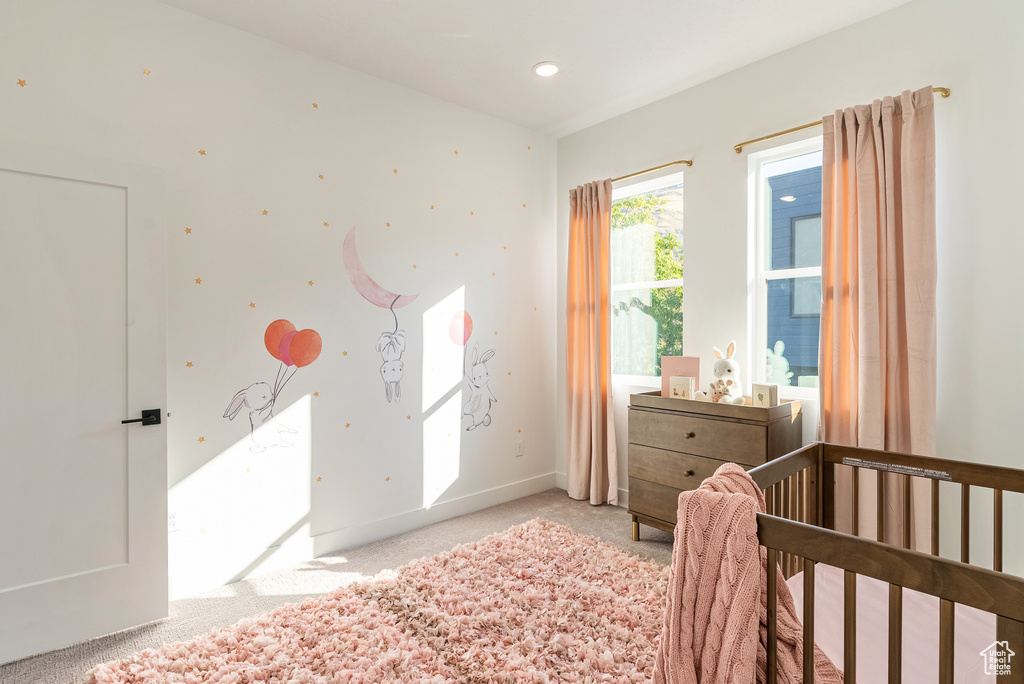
(793, 312)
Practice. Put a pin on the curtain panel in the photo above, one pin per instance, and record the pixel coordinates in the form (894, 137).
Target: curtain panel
(591, 458)
(877, 360)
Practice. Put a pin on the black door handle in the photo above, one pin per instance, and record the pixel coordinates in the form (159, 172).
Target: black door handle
(149, 417)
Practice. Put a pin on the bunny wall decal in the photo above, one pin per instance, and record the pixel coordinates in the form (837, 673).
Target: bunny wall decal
(478, 408)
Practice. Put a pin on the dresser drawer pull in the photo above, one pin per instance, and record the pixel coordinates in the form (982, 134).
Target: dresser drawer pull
(691, 435)
(688, 473)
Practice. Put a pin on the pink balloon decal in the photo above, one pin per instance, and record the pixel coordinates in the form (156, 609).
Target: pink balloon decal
(460, 328)
(285, 349)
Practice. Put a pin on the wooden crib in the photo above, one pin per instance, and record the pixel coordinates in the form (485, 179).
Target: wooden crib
(799, 533)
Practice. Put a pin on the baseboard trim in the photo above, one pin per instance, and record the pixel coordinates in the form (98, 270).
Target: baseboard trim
(363, 533)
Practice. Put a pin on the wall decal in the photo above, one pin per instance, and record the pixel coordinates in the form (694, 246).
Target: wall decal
(294, 349)
(478, 408)
(460, 328)
(390, 345)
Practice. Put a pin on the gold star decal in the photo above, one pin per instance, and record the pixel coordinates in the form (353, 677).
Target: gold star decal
(524, 205)
(22, 82)
(456, 254)
(252, 305)
(518, 430)
(348, 425)
(510, 372)
(456, 151)
(408, 417)
(188, 231)
(431, 206)
(318, 479)
(201, 440)
(387, 479)
(248, 470)
(321, 176)
(492, 272)
(265, 212)
(202, 153)
(495, 332)
(199, 281)
(188, 364)
(311, 283)
(344, 353)
(414, 265)
(316, 394)
(315, 105)
(527, 147)
(325, 224)
(505, 247)
(387, 225)
(470, 213)
(534, 308)
(146, 72)
(395, 170)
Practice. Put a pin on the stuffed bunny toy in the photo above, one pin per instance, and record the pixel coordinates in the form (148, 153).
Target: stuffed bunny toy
(480, 398)
(727, 388)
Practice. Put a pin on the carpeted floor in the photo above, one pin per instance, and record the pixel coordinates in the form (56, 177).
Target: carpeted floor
(201, 614)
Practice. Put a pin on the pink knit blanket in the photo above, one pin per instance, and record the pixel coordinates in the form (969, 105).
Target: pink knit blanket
(716, 619)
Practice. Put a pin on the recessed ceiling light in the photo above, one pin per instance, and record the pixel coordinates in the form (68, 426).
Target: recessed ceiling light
(545, 69)
(788, 198)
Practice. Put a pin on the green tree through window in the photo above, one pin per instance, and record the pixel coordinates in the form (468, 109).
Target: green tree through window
(632, 264)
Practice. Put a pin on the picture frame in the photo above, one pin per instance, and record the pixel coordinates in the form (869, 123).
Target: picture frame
(764, 396)
(678, 366)
(682, 387)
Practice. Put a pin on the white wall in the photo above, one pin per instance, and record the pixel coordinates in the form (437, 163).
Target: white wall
(976, 49)
(140, 81)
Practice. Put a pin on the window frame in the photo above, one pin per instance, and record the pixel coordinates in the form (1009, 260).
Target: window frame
(758, 213)
(622, 190)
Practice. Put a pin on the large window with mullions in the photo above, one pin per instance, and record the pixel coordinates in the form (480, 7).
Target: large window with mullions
(786, 223)
(647, 275)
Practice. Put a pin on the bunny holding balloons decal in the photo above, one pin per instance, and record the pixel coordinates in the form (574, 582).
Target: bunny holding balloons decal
(294, 349)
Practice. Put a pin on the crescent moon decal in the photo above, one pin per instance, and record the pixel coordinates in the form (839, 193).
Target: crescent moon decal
(364, 284)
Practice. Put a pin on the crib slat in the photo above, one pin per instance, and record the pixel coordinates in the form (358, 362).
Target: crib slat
(856, 501)
(895, 633)
(880, 506)
(773, 656)
(965, 523)
(1011, 631)
(906, 512)
(997, 530)
(809, 621)
(935, 517)
(946, 622)
(850, 626)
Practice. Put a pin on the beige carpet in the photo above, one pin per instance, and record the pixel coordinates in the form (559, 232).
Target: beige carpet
(198, 615)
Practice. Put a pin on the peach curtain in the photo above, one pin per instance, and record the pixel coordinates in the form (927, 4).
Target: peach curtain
(877, 349)
(591, 459)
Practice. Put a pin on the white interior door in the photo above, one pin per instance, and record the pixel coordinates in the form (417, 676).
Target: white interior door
(83, 498)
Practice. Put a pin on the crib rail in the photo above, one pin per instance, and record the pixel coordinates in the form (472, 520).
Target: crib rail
(952, 581)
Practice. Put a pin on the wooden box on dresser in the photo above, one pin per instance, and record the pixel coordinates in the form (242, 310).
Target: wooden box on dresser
(675, 443)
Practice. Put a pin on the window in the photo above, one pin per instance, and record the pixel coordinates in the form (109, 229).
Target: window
(647, 275)
(786, 217)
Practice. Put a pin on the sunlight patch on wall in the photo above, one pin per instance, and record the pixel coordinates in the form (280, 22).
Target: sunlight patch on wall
(444, 339)
(247, 510)
(442, 438)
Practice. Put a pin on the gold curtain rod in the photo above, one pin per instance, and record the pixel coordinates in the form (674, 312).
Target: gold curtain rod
(688, 162)
(739, 148)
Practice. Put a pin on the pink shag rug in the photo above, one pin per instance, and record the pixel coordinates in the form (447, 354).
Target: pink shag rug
(536, 603)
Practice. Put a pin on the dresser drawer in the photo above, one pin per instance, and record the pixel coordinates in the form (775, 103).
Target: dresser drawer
(670, 468)
(719, 439)
(653, 500)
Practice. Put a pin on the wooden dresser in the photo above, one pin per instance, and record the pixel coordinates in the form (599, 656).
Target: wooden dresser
(675, 443)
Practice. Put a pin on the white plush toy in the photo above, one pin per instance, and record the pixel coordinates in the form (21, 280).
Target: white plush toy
(727, 389)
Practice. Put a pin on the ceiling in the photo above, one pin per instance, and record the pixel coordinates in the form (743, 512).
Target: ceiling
(614, 55)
